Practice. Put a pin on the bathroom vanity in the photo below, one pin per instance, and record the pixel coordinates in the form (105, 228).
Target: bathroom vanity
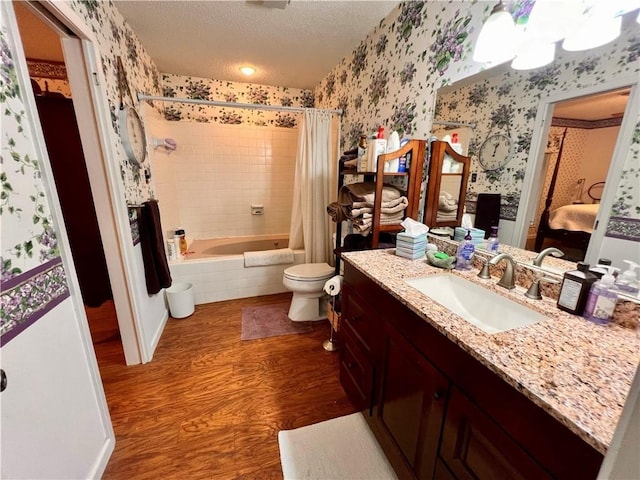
(447, 400)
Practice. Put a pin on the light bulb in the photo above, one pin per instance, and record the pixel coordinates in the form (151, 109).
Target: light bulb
(497, 38)
(534, 55)
(592, 33)
(248, 70)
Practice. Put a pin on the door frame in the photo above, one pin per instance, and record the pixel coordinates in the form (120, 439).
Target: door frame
(532, 183)
(94, 124)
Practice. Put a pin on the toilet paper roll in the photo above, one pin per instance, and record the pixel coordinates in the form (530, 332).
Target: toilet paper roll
(333, 286)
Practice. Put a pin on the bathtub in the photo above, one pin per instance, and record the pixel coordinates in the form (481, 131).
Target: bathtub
(216, 268)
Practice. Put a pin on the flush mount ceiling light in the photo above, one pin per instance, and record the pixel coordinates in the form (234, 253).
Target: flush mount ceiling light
(497, 38)
(248, 71)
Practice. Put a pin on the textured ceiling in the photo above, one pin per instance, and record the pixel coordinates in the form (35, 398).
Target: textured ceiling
(292, 47)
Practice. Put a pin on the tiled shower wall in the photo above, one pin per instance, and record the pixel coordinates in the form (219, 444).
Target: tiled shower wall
(207, 186)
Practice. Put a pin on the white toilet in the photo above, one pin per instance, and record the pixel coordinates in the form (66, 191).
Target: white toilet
(306, 282)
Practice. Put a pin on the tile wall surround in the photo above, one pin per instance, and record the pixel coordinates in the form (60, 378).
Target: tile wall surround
(219, 171)
(391, 78)
(219, 279)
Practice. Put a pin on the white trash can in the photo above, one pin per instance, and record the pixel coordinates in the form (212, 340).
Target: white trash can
(180, 298)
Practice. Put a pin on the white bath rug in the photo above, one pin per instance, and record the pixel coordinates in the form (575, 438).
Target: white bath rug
(340, 449)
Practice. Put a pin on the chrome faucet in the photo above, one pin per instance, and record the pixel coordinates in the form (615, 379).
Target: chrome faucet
(508, 277)
(551, 250)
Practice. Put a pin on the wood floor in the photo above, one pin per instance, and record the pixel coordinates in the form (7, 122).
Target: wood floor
(211, 405)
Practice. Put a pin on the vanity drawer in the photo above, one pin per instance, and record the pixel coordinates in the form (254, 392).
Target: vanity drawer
(362, 322)
(356, 372)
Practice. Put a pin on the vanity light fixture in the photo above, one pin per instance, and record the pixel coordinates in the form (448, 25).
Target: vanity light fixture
(248, 71)
(497, 38)
(580, 24)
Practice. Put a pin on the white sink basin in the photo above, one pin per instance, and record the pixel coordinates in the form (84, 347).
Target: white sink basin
(485, 309)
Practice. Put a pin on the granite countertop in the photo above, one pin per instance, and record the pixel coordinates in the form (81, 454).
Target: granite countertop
(576, 370)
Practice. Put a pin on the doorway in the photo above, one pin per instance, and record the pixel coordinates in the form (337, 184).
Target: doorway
(53, 95)
(579, 150)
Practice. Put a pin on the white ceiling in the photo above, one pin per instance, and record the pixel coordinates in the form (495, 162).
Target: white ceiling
(292, 47)
(595, 107)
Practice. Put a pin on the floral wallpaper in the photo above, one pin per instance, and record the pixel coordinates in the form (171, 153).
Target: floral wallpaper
(392, 78)
(33, 280)
(206, 89)
(114, 38)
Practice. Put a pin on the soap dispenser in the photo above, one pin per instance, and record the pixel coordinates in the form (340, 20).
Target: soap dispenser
(602, 299)
(627, 281)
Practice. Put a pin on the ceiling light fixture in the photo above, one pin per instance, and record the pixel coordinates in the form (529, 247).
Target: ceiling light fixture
(248, 71)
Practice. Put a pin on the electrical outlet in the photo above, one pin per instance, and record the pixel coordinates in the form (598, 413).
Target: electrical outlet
(474, 177)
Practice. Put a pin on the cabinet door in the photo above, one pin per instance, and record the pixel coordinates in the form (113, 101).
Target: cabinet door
(412, 404)
(474, 447)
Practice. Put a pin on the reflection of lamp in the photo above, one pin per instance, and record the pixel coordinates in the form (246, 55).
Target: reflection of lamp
(497, 38)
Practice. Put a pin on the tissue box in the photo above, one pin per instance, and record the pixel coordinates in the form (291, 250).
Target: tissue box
(406, 238)
(410, 254)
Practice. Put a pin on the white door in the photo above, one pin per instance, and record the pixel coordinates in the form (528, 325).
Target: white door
(54, 417)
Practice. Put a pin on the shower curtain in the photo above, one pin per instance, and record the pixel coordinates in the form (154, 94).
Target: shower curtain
(313, 188)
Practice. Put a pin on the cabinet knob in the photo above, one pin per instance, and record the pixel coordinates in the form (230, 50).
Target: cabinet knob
(3, 380)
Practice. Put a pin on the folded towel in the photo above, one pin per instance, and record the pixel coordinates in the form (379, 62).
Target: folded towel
(384, 204)
(365, 192)
(393, 206)
(279, 256)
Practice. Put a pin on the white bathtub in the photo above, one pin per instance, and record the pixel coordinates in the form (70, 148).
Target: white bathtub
(216, 268)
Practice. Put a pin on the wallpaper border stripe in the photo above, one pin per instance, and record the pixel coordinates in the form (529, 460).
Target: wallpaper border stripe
(27, 297)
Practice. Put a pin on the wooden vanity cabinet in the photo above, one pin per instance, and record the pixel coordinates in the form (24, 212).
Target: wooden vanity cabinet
(436, 411)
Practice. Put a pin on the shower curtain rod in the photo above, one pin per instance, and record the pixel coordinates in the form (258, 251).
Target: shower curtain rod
(455, 124)
(215, 103)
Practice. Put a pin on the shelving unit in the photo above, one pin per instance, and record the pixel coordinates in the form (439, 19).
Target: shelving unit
(414, 153)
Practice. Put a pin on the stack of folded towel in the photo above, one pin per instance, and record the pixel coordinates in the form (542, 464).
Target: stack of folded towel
(355, 203)
(447, 207)
(411, 247)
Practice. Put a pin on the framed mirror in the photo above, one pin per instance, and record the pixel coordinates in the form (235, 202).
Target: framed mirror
(446, 186)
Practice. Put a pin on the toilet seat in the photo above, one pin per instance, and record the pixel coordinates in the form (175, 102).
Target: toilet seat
(309, 272)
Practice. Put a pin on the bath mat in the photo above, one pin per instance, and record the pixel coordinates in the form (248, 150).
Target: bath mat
(270, 321)
(339, 449)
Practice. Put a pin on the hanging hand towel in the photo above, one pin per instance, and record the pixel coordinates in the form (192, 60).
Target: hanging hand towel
(268, 257)
(156, 268)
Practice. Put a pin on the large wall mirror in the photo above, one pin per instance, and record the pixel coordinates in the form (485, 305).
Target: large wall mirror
(553, 143)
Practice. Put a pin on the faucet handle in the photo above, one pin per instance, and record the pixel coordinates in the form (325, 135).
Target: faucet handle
(484, 271)
(534, 290)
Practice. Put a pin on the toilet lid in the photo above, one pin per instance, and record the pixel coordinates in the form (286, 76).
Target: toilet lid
(309, 271)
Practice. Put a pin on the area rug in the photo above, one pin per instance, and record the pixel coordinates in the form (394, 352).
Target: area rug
(270, 321)
(340, 449)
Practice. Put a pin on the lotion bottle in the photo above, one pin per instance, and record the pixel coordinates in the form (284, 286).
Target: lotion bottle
(602, 299)
(575, 289)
